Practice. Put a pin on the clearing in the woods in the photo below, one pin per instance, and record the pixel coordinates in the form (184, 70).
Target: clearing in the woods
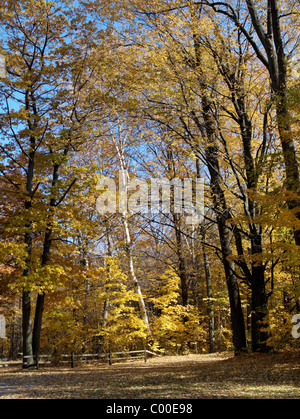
(275, 375)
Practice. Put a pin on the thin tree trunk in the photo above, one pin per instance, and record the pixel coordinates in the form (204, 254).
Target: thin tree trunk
(211, 316)
(106, 303)
(135, 281)
(27, 329)
(181, 261)
(128, 249)
(178, 235)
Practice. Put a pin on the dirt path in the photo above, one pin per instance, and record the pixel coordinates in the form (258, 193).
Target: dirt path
(192, 376)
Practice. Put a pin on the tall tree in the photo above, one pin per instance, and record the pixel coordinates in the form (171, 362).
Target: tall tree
(270, 48)
(124, 181)
(42, 124)
(232, 67)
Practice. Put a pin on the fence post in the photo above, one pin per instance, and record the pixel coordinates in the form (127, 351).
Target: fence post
(37, 360)
(109, 358)
(72, 360)
(145, 355)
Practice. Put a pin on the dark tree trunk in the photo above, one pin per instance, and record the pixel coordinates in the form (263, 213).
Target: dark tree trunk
(254, 275)
(41, 298)
(222, 215)
(259, 303)
(210, 311)
(45, 259)
(27, 330)
(259, 312)
(275, 62)
(237, 317)
(181, 262)
(208, 131)
(26, 296)
(256, 279)
(38, 324)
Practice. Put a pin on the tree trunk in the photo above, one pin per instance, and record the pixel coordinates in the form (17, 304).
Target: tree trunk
(237, 317)
(178, 235)
(222, 215)
(211, 316)
(26, 296)
(181, 262)
(133, 277)
(45, 259)
(128, 249)
(137, 287)
(259, 329)
(255, 276)
(259, 303)
(27, 330)
(41, 297)
(37, 327)
(208, 131)
(106, 303)
(272, 43)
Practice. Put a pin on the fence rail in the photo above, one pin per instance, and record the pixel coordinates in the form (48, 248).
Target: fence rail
(73, 358)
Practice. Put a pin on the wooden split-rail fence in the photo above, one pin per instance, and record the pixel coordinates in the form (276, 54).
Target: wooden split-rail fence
(73, 358)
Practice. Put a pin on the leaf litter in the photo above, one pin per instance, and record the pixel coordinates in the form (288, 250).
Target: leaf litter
(274, 375)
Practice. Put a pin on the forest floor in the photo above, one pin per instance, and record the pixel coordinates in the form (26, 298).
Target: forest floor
(275, 375)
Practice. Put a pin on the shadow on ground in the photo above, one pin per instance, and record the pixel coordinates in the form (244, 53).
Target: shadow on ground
(275, 375)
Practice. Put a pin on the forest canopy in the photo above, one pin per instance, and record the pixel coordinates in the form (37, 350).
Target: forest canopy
(99, 101)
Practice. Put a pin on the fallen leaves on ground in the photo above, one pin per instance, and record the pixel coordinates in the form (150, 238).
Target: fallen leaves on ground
(275, 375)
